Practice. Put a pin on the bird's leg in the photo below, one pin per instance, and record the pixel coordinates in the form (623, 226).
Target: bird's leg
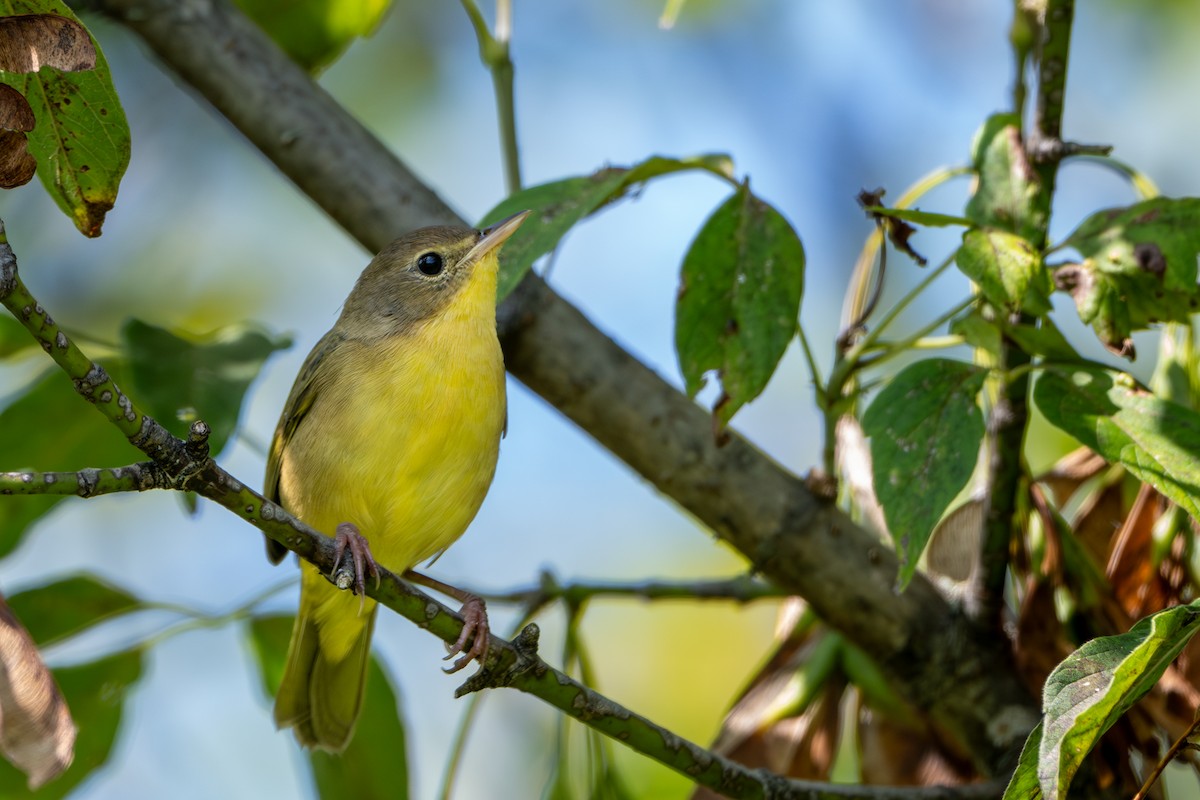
(475, 621)
(348, 539)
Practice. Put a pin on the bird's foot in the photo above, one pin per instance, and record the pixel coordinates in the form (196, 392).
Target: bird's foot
(475, 623)
(362, 563)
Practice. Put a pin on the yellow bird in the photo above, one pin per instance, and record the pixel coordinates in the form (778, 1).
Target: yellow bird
(389, 437)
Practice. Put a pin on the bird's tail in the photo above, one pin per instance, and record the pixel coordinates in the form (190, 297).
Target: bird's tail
(321, 693)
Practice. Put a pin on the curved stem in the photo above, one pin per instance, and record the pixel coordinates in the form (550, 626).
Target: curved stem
(1177, 747)
(494, 52)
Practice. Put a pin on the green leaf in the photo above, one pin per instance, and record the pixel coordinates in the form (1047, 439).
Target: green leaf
(375, 763)
(315, 32)
(47, 428)
(268, 639)
(14, 339)
(1007, 184)
(178, 380)
(1156, 440)
(1139, 267)
(739, 300)
(930, 219)
(67, 606)
(95, 693)
(1045, 340)
(1008, 269)
(982, 334)
(1177, 370)
(1024, 783)
(1094, 686)
(81, 139)
(559, 205)
(925, 428)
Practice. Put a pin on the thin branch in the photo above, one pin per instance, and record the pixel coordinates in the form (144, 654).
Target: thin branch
(139, 477)
(798, 541)
(1180, 744)
(1010, 416)
(740, 589)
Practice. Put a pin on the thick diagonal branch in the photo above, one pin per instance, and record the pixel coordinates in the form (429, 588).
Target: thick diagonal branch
(802, 544)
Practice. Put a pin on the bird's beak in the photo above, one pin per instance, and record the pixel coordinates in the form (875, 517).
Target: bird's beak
(491, 238)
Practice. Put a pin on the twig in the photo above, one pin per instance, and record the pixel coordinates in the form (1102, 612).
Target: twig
(139, 477)
(1010, 415)
(1177, 747)
(741, 589)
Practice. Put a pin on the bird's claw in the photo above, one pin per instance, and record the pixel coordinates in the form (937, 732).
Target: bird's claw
(349, 540)
(475, 623)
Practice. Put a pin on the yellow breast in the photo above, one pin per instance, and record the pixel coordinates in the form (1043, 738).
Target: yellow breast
(402, 438)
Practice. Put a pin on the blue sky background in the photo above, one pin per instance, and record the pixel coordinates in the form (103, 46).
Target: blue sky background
(813, 100)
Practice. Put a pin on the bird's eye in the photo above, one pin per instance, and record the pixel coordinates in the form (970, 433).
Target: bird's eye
(430, 264)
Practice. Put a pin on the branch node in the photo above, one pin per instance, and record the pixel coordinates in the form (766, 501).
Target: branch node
(525, 649)
(343, 578)
(197, 441)
(1051, 150)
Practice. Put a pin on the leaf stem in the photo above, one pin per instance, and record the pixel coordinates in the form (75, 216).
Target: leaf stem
(890, 349)
(904, 302)
(494, 53)
(813, 368)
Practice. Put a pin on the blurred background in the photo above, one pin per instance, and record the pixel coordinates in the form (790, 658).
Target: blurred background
(813, 101)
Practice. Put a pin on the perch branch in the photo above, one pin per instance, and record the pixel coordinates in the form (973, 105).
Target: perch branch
(138, 477)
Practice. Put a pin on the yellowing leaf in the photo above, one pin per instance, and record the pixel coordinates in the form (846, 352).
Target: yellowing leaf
(1007, 268)
(315, 32)
(1138, 267)
(81, 139)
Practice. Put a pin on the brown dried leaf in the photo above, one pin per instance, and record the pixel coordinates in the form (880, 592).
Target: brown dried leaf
(766, 728)
(751, 713)
(15, 113)
(1131, 571)
(1070, 472)
(802, 747)
(32, 41)
(1099, 518)
(953, 549)
(1040, 644)
(892, 753)
(17, 165)
(37, 734)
